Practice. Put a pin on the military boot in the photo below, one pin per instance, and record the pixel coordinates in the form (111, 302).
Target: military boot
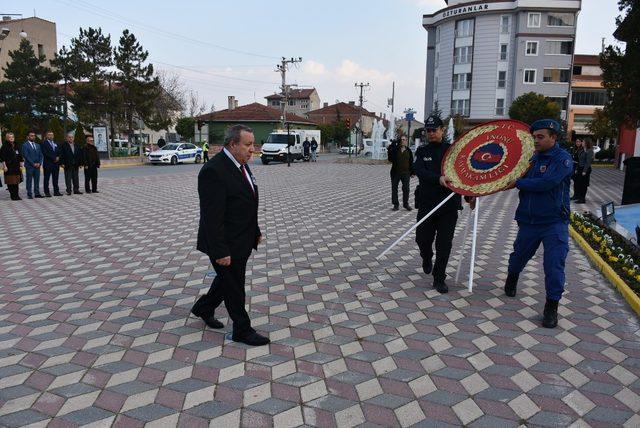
(510, 284)
(550, 315)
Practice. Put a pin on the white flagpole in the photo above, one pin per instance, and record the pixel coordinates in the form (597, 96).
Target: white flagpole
(473, 244)
(416, 225)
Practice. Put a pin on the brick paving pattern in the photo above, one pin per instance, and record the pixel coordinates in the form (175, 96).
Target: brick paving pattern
(95, 294)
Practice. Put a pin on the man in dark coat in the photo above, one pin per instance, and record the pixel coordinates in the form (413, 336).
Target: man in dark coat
(32, 155)
(401, 160)
(228, 231)
(51, 153)
(71, 158)
(91, 164)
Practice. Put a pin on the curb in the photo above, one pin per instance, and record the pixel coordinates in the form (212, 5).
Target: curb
(632, 298)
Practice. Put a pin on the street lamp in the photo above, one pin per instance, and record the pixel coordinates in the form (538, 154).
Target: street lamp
(23, 34)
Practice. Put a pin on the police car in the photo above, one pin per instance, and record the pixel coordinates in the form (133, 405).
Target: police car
(176, 153)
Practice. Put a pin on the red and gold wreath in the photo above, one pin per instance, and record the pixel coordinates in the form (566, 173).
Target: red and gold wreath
(488, 157)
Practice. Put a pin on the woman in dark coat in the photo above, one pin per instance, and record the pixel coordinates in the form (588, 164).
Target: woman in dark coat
(11, 162)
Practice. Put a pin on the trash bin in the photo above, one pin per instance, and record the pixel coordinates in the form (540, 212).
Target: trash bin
(631, 189)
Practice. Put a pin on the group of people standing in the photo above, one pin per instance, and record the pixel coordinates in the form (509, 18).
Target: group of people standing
(48, 156)
(542, 214)
(310, 149)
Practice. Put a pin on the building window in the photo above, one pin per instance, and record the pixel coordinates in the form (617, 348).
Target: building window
(532, 49)
(461, 81)
(437, 61)
(529, 76)
(561, 19)
(304, 105)
(504, 51)
(533, 20)
(460, 108)
(505, 24)
(589, 98)
(577, 70)
(500, 107)
(463, 55)
(558, 47)
(502, 79)
(40, 50)
(556, 75)
(292, 102)
(464, 28)
(561, 101)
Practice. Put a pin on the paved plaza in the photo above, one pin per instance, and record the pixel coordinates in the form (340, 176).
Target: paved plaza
(95, 292)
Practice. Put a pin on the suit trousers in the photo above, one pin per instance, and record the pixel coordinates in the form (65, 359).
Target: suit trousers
(406, 180)
(51, 172)
(227, 287)
(71, 179)
(441, 227)
(91, 177)
(33, 180)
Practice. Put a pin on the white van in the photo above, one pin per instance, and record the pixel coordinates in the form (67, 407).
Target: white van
(275, 146)
(368, 147)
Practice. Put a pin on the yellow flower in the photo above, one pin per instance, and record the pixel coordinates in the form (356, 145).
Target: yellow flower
(613, 259)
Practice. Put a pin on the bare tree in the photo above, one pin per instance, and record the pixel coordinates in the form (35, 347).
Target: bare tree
(194, 106)
(173, 86)
(212, 109)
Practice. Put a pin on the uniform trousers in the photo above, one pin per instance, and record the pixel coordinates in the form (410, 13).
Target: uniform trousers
(441, 227)
(555, 240)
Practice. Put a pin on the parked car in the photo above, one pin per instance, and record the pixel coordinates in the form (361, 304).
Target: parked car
(176, 153)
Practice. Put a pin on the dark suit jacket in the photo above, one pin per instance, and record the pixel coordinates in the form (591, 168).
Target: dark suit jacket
(31, 155)
(392, 156)
(70, 159)
(50, 154)
(228, 210)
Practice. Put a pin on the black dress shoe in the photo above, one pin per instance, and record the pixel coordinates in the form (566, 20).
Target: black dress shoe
(395, 208)
(579, 201)
(94, 191)
(48, 195)
(39, 197)
(57, 194)
(29, 197)
(407, 207)
(77, 192)
(441, 287)
(87, 191)
(68, 193)
(427, 266)
(251, 339)
(210, 320)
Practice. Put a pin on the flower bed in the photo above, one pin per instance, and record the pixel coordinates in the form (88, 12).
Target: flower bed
(622, 256)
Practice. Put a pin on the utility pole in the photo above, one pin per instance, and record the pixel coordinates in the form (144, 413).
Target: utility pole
(392, 101)
(361, 86)
(282, 69)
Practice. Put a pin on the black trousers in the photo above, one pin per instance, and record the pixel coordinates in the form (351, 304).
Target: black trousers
(51, 172)
(227, 287)
(441, 227)
(71, 179)
(395, 179)
(580, 183)
(13, 191)
(91, 177)
(205, 156)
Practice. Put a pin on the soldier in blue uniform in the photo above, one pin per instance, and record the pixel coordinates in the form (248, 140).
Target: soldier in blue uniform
(543, 216)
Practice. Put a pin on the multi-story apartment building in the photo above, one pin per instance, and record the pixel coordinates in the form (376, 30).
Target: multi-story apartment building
(481, 55)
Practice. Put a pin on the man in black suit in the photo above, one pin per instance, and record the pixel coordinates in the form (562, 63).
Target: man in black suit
(229, 231)
(51, 164)
(71, 158)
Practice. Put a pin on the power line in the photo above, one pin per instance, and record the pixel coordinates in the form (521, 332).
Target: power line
(93, 9)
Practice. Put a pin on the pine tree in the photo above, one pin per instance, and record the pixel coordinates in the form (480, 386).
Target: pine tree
(56, 127)
(79, 138)
(138, 85)
(29, 88)
(19, 128)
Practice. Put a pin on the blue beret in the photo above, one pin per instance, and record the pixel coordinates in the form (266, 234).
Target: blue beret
(545, 124)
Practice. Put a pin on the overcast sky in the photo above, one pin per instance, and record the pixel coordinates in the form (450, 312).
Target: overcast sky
(230, 47)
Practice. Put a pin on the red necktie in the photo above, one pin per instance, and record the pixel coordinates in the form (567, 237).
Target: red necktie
(245, 175)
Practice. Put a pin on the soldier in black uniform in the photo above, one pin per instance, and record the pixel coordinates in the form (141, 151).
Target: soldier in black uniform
(433, 188)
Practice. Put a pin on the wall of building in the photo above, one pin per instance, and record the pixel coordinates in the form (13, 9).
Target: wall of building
(40, 33)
